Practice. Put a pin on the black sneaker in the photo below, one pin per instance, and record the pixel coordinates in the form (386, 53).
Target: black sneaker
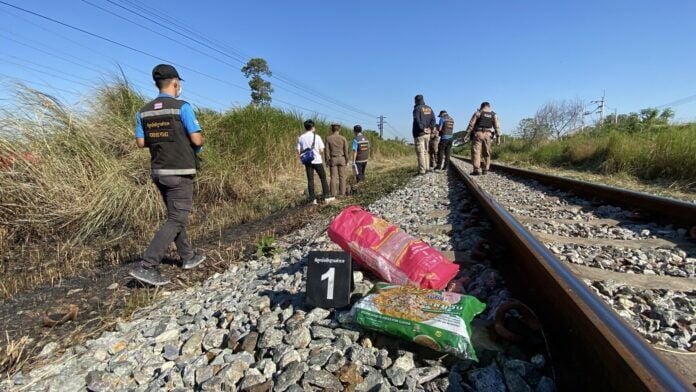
(475, 173)
(484, 172)
(150, 276)
(192, 262)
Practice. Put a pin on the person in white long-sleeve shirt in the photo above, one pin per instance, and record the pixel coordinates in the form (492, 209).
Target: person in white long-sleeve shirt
(310, 140)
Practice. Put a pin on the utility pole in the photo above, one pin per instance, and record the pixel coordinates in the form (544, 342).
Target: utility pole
(601, 109)
(616, 116)
(380, 126)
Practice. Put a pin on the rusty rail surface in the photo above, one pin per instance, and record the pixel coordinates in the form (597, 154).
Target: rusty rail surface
(661, 209)
(591, 346)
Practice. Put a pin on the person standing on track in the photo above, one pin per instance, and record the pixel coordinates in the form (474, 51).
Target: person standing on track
(481, 126)
(337, 153)
(361, 153)
(446, 127)
(168, 127)
(434, 144)
(309, 141)
(423, 121)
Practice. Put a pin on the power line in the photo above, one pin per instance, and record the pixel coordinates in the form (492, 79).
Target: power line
(238, 57)
(150, 55)
(679, 102)
(92, 66)
(111, 41)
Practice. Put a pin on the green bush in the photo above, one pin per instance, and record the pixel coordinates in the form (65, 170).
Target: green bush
(666, 152)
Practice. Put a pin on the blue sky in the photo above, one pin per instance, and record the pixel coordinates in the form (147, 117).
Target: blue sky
(374, 56)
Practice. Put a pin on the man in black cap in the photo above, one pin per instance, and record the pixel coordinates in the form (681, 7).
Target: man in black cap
(446, 127)
(423, 122)
(168, 127)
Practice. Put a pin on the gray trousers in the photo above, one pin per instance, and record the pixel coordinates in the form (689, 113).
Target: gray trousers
(177, 192)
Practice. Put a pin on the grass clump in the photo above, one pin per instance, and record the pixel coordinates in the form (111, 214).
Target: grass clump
(664, 153)
(76, 191)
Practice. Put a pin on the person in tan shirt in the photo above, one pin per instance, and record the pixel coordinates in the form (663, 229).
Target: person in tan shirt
(481, 127)
(337, 154)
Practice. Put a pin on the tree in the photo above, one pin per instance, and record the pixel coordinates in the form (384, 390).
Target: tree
(531, 130)
(260, 89)
(560, 117)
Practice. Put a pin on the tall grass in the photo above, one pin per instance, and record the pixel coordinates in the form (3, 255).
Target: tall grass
(659, 153)
(75, 189)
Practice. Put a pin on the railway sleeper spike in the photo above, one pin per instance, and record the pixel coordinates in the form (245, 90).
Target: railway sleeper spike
(526, 314)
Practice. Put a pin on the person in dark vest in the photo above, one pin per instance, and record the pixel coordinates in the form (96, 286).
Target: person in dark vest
(481, 127)
(423, 121)
(446, 127)
(168, 127)
(361, 153)
(337, 157)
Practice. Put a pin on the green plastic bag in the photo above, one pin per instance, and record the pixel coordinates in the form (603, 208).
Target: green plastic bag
(440, 320)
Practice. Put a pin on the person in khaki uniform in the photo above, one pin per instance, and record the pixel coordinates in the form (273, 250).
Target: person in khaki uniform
(433, 148)
(481, 127)
(336, 153)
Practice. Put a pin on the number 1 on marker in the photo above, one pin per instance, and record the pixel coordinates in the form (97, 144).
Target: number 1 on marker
(330, 276)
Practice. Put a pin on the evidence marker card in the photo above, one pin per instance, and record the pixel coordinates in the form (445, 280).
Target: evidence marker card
(329, 277)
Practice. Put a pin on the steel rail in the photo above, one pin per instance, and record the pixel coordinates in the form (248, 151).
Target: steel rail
(593, 348)
(661, 209)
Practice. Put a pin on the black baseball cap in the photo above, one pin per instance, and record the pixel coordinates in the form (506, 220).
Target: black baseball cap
(164, 71)
(442, 112)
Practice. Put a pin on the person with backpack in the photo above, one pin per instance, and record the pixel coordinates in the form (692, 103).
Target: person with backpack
(310, 147)
(337, 153)
(361, 153)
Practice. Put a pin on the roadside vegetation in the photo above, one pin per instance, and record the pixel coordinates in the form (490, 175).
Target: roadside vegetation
(76, 191)
(645, 146)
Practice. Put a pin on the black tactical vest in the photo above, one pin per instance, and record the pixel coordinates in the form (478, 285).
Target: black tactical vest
(448, 126)
(171, 151)
(363, 148)
(486, 120)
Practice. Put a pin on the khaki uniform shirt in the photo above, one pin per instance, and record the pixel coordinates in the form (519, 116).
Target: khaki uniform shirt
(337, 150)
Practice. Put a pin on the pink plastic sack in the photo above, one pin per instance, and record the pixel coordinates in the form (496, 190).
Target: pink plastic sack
(393, 255)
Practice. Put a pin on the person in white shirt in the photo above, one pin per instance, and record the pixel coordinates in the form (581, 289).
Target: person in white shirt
(310, 140)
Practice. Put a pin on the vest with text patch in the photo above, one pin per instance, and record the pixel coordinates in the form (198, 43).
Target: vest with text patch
(171, 151)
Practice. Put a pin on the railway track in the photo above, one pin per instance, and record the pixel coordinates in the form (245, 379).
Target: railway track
(614, 287)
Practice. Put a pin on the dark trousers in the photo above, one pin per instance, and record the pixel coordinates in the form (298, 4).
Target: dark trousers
(444, 152)
(360, 175)
(319, 168)
(177, 192)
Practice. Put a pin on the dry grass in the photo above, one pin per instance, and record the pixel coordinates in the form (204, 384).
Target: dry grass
(76, 192)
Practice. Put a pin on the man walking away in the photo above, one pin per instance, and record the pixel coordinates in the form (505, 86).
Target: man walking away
(483, 123)
(336, 155)
(311, 141)
(423, 121)
(433, 147)
(168, 127)
(361, 153)
(446, 127)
